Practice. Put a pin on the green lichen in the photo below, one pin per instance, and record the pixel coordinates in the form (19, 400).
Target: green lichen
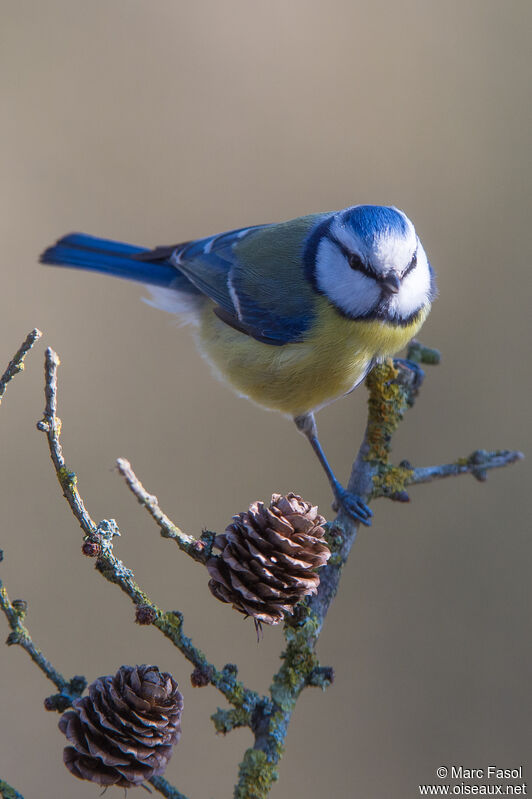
(67, 478)
(298, 664)
(391, 480)
(171, 624)
(335, 541)
(256, 776)
(299, 658)
(277, 730)
(226, 720)
(418, 353)
(173, 620)
(20, 607)
(322, 677)
(333, 537)
(7, 792)
(336, 560)
(387, 404)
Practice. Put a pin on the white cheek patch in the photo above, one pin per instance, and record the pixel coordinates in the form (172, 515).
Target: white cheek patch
(353, 292)
(415, 288)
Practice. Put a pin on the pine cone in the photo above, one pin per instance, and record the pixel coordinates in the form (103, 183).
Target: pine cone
(124, 731)
(268, 558)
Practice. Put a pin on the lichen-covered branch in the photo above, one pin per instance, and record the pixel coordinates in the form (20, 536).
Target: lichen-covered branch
(15, 612)
(170, 623)
(68, 690)
(7, 792)
(195, 547)
(16, 364)
(393, 387)
(476, 464)
(99, 544)
(391, 391)
(164, 787)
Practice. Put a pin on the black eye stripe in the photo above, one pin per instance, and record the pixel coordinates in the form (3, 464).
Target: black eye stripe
(354, 260)
(340, 246)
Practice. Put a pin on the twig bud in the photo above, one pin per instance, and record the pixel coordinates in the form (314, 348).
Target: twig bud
(92, 549)
(201, 676)
(57, 702)
(145, 614)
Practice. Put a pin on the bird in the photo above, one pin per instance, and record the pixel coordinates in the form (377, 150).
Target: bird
(292, 315)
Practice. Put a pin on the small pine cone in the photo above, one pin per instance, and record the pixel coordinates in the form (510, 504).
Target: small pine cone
(124, 731)
(268, 558)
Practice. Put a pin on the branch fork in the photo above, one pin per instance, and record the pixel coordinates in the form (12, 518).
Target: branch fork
(393, 387)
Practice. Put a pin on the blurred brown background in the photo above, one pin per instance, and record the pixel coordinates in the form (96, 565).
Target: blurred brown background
(154, 122)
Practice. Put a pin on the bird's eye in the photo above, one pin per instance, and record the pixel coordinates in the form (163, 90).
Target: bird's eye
(411, 265)
(356, 262)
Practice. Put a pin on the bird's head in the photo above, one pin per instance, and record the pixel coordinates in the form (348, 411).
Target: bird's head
(368, 261)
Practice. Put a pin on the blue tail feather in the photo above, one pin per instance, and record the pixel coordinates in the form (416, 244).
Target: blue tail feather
(112, 258)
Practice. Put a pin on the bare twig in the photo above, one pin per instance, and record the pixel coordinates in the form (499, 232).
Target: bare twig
(16, 364)
(192, 546)
(51, 425)
(477, 464)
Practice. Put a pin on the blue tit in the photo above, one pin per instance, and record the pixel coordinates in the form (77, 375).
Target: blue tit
(292, 315)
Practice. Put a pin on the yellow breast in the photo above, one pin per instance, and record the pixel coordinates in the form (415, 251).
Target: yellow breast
(300, 377)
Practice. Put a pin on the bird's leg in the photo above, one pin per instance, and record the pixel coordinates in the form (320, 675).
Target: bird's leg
(350, 503)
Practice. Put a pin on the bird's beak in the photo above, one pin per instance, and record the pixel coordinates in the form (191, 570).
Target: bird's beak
(391, 283)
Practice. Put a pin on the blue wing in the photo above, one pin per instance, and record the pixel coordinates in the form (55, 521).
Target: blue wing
(207, 263)
(256, 277)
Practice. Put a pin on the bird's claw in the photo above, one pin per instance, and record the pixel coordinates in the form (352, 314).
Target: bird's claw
(417, 373)
(352, 505)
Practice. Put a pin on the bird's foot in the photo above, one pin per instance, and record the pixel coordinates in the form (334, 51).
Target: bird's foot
(352, 505)
(412, 368)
